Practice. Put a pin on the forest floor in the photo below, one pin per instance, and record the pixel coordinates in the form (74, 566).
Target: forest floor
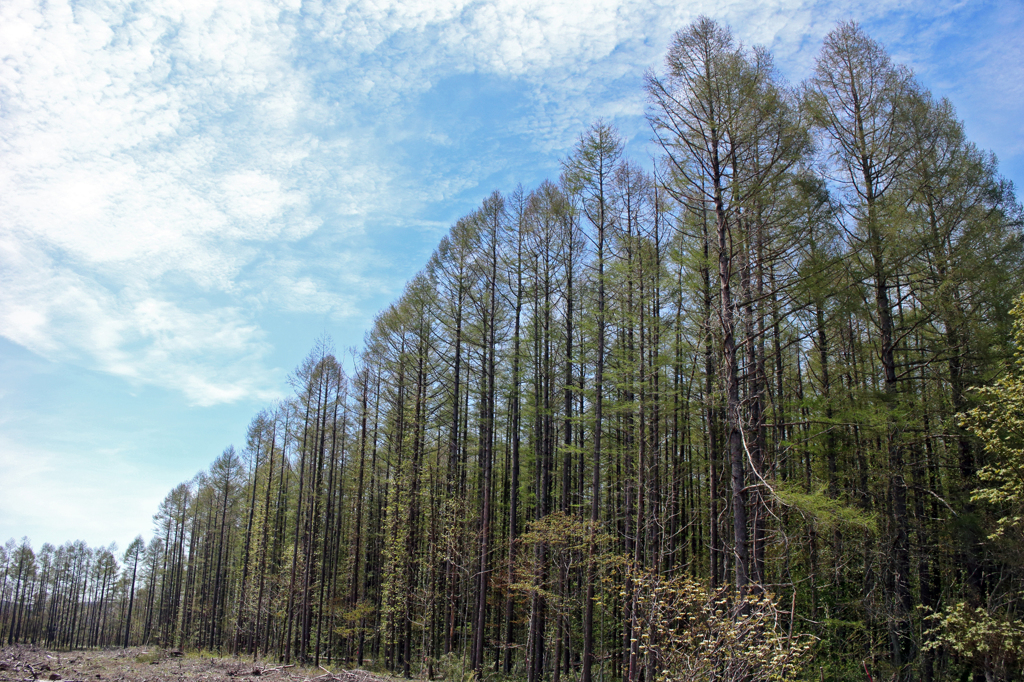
(23, 663)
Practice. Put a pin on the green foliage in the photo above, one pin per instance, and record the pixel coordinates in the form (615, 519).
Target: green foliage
(826, 512)
(992, 642)
(999, 424)
(454, 668)
(349, 619)
(559, 541)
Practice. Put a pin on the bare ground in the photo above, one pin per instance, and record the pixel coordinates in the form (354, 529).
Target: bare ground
(23, 663)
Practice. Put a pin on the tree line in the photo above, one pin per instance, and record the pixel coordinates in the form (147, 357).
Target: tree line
(696, 421)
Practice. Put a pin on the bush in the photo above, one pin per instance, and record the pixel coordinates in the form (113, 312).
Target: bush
(689, 632)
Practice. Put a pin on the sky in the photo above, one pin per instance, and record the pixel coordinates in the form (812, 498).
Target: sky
(193, 191)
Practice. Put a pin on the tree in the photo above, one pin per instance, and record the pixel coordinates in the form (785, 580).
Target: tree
(862, 104)
(730, 137)
(132, 556)
(589, 171)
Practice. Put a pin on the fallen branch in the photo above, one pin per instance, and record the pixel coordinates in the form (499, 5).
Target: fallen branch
(271, 670)
(340, 676)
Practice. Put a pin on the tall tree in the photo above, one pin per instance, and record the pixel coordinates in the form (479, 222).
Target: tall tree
(132, 555)
(863, 104)
(589, 171)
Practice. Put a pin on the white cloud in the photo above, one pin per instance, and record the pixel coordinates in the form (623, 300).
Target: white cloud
(170, 170)
(140, 143)
(209, 355)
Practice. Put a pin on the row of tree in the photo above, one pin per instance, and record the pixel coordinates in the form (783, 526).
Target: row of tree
(73, 596)
(668, 424)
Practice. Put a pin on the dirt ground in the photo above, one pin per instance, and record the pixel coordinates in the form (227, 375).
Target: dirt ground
(23, 663)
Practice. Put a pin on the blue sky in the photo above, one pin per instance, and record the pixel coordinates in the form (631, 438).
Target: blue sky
(192, 191)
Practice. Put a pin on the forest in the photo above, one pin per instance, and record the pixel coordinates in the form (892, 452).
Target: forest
(755, 412)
